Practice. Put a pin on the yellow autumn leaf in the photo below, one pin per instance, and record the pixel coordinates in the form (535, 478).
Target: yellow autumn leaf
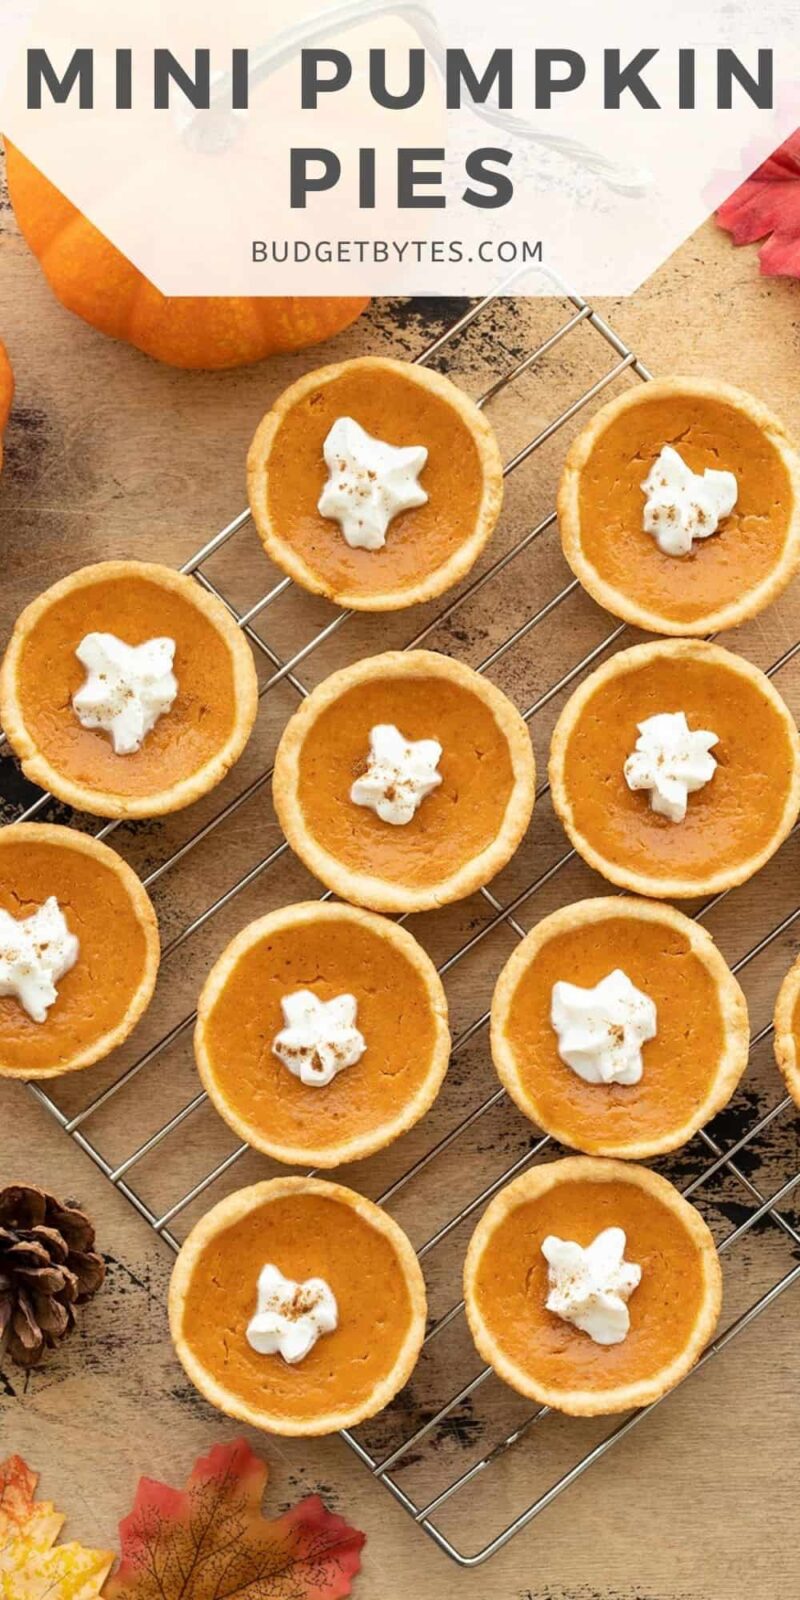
(32, 1565)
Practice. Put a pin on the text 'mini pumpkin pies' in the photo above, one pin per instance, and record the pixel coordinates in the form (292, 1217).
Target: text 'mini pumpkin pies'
(375, 483)
(591, 1286)
(618, 1028)
(405, 782)
(127, 690)
(322, 1033)
(787, 1030)
(679, 506)
(79, 950)
(297, 1306)
(675, 769)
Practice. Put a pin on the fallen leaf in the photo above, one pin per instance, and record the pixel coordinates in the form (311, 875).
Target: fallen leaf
(32, 1565)
(767, 206)
(17, 1489)
(210, 1539)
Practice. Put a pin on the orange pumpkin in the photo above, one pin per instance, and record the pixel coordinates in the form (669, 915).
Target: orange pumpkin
(92, 278)
(6, 392)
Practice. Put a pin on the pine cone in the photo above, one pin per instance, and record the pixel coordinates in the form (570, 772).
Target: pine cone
(47, 1267)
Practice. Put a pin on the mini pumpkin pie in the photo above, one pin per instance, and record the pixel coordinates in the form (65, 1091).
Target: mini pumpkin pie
(375, 483)
(322, 1033)
(405, 781)
(591, 1286)
(79, 950)
(787, 1030)
(127, 690)
(675, 769)
(618, 1028)
(297, 1306)
(679, 506)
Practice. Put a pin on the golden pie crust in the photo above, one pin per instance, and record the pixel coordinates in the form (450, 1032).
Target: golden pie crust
(189, 750)
(101, 999)
(673, 1312)
(726, 578)
(367, 1260)
(402, 1013)
(787, 1030)
(690, 1069)
(461, 835)
(428, 548)
(733, 825)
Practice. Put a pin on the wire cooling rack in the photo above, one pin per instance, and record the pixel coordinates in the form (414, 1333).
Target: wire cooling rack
(441, 1443)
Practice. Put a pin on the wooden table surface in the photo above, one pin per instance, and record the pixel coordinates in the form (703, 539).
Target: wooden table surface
(111, 454)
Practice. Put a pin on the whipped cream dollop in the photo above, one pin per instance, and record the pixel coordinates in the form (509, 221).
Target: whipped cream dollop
(601, 1030)
(290, 1317)
(320, 1037)
(672, 761)
(369, 483)
(35, 952)
(400, 774)
(127, 687)
(590, 1288)
(683, 505)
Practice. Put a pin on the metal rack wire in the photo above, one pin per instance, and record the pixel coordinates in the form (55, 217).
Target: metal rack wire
(728, 1163)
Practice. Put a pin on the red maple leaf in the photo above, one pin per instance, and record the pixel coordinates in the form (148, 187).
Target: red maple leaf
(210, 1539)
(767, 206)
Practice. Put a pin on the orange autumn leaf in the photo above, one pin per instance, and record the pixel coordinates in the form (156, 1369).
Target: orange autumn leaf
(32, 1565)
(210, 1539)
(17, 1489)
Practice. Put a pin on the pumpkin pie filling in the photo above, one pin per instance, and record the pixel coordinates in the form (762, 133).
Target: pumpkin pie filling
(401, 1014)
(741, 814)
(308, 1230)
(679, 506)
(510, 1286)
(50, 674)
(111, 982)
(453, 824)
(698, 1031)
(402, 407)
(134, 603)
(708, 434)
